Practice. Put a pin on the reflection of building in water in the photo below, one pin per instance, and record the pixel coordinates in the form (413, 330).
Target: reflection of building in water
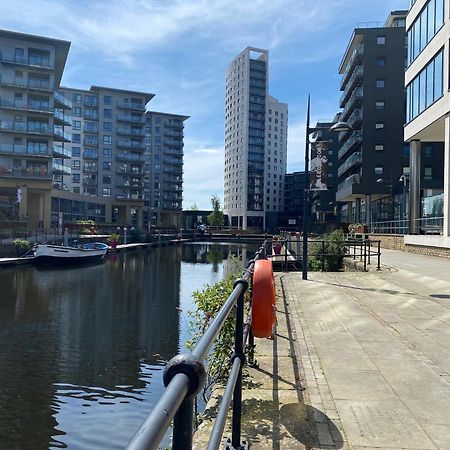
(235, 261)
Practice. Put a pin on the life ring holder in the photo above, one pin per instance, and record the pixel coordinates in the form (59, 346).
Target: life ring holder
(263, 299)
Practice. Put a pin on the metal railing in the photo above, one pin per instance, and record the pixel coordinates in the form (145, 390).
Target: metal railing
(423, 225)
(184, 376)
(291, 256)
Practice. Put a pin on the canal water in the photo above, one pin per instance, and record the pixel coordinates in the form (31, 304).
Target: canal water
(82, 350)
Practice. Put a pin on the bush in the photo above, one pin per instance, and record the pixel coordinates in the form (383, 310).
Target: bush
(22, 246)
(334, 250)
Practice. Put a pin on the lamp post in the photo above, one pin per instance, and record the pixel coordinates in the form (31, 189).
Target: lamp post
(403, 178)
(337, 127)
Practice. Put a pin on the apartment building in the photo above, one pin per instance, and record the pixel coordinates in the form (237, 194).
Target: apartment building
(163, 181)
(107, 155)
(372, 99)
(255, 142)
(428, 108)
(32, 121)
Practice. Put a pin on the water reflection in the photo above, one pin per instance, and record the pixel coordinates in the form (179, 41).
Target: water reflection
(82, 350)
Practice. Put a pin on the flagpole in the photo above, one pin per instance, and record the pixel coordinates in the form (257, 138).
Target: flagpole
(306, 198)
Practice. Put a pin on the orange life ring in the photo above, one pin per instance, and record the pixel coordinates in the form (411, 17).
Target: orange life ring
(263, 299)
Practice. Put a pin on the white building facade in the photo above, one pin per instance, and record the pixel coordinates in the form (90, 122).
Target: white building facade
(255, 142)
(428, 103)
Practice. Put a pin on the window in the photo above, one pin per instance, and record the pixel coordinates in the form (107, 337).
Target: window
(76, 151)
(107, 152)
(107, 100)
(76, 178)
(379, 147)
(106, 192)
(76, 138)
(76, 190)
(107, 139)
(107, 126)
(76, 111)
(378, 170)
(428, 173)
(107, 113)
(106, 179)
(107, 166)
(405, 170)
(381, 61)
(158, 120)
(380, 83)
(379, 125)
(405, 150)
(76, 163)
(379, 105)
(76, 124)
(381, 40)
(76, 98)
(428, 151)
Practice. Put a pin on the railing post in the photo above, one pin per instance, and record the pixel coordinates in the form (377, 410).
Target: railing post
(378, 256)
(182, 425)
(323, 256)
(369, 246)
(285, 254)
(365, 255)
(238, 353)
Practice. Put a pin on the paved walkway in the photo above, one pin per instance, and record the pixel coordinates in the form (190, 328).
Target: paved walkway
(359, 361)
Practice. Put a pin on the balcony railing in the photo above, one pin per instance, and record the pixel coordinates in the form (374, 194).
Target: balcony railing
(61, 169)
(355, 138)
(173, 161)
(61, 117)
(134, 106)
(61, 152)
(20, 149)
(31, 83)
(177, 125)
(129, 171)
(61, 134)
(90, 154)
(129, 197)
(174, 143)
(129, 118)
(356, 96)
(356, 158)
(356, 75)
(356, 56)
(129, 157)
(352, 179)
(131, 131)
(23, 127)
(40, 172)
(33, 60)
(131, 144)
(62, 100)
(26, 106)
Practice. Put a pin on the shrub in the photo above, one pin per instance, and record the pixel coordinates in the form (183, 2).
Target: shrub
(22, 246)
(334, 252)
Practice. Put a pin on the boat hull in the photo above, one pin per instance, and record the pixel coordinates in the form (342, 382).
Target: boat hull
(55, 255)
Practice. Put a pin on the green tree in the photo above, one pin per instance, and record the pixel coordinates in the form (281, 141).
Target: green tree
(215, 219)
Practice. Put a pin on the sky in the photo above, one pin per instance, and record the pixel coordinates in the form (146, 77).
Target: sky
(179, 50)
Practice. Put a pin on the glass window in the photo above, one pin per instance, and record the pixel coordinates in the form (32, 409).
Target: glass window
(379, 147)
(106, 192)
(107, 126)
(76, 98)
(422, 90)
(378, 170)
(107, 139)
(428, 173)
(76, 151)
(429, 85)
(76, 124)
(379, 125)
(381, 40)
(107, 152)
(107, 100)
(379, 105)
(428, 151)
(381, 61)
(431, 21)
(76, 164)
(76, 138)
(76, 177)
(438, 76)
(106, 179)
(107, 113)
(405, 150)
(106, 165)
(76, 111)
(380, 83)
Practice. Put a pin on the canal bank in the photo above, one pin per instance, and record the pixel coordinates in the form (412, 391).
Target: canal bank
(359, 361)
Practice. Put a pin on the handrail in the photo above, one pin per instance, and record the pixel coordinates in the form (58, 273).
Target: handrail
(185, 374)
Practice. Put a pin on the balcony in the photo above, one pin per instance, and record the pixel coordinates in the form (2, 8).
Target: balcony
(131, 144)
(352, 179)
(354, 99)
(357, 75)
(355, 138)
(61, 169)
(173, 169)
(61, 135)
(24, 128)
(130, 118)
(35, 61)
(91, 102)
(40, 172)
(173, 143)
(173, 152)
(130, 197)
(125, 131)
(356, 118)
(90, 115)
(61, 119)
(130, 157)
(35, 84)
(91, 127)
(30, 106)
(177, 125)
(132, 106)
(15, 149)
(87, 154)
(90, 183)
(90, 169)
(356, 57)
(172, 133)
(62, 101)
(61, 152)
(353, 160)
(130, 171)
(173, 161)
(90, 141)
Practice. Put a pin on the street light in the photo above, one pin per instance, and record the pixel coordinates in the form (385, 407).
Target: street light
(403, 178)
(337, 127)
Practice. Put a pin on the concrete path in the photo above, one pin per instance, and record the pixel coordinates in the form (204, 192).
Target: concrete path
(374, 352)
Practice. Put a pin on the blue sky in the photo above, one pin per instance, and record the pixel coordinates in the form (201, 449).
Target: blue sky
(180, 49)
